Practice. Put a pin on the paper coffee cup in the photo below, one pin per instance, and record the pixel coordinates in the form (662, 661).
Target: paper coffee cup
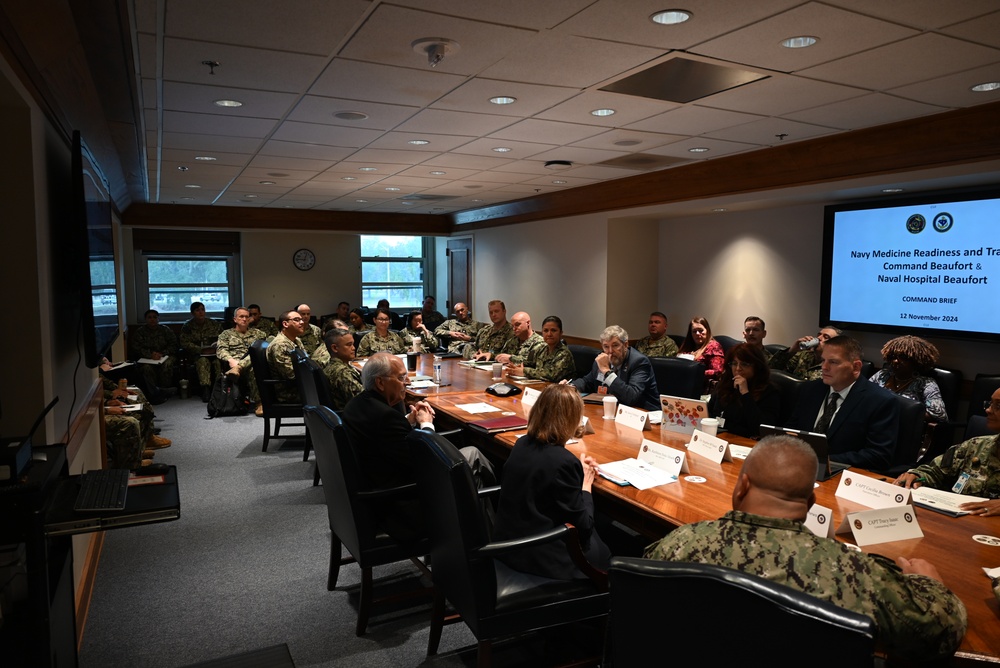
(610, 407)
(710, 426)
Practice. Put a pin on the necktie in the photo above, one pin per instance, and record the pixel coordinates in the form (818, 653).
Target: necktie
(823, 423)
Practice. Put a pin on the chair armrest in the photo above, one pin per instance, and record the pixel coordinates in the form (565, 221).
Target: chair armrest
(388, 492)
(450, 432)
(488, 491)
(567, 533)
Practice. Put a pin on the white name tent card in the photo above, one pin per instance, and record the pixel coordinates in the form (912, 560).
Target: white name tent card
(871, 492)
(882, 525)
(528, 399)
(664, 457)
(585, 426)
(709, 447)
(820, 521)
(632, 417)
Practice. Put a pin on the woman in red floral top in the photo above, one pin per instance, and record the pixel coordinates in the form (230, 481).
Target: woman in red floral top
(700, 345)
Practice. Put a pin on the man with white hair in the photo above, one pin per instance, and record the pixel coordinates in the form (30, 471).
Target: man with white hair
(622, 372)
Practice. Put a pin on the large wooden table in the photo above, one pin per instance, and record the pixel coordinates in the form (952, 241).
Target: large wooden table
(947, 541)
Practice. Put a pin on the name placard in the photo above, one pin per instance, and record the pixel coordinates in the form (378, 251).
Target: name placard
(585, 426)
(709, 447)
(882, 525)
(820, 521)
(528, 399)
(871, 492)
(632, 417)
(663, 457)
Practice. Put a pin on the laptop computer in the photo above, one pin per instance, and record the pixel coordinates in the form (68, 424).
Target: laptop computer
(825, 469)
(681, 414)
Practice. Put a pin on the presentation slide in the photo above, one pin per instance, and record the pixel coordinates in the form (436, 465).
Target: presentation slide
(931, 266)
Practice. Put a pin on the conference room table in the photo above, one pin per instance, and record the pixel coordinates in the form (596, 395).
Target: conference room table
(948, 542)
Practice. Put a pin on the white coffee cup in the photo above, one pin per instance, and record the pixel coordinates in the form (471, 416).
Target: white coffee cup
(416, 344)
(610, 407)
(497, 371)
(710, 426)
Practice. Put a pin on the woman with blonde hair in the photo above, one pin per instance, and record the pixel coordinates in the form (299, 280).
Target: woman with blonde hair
(546, 486)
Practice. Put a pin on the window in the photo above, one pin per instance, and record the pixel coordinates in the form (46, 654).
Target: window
(394, 268)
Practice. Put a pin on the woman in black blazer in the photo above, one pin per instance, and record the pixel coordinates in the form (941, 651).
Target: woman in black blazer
(744, 397)
(545, 486)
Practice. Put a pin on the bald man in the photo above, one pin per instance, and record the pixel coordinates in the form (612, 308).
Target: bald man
(527, 340)
(461, 329)
(918, 618)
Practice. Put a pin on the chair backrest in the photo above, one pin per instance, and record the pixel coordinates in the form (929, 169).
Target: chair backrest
(358, 336)
(910, 436)
(583, 358)
(350, 520)
(678, 339)
(455, 522)
(788, 387)
(262, 372)
(983, 388)
(678, 377)
(313, 384)
(976, 427)
(950, 382)
(773, 348)
(763, 620)
(867, 369)
(727, 342)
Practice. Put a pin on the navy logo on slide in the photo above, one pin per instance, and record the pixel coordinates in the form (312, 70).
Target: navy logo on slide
(943, 222)
(915, 224)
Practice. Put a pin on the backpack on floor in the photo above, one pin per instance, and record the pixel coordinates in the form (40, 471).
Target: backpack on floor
(226, 398)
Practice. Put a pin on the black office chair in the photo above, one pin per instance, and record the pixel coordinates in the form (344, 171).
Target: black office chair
(788, 387)
(909, 437)
(762, 620)
(352, 519)
(940, 435)
(272, 407)
(678, 377)
(983, 387)
(678, 339)
(976, 427)
(315, 390)
(583, 358)
(773, 348)
(493, 600)
(727, 342)
(867, 369)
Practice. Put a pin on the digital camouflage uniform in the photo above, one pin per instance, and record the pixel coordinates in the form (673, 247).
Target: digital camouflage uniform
(978, 457)
(233, 345)
(312, 341)
(470, 327)
(194, 337)
(801, 365)
(268, 326)
(143, 342)
(373, 343)
(917, 617)
(497, 341)
(345, 382)
(428, 341)
(663, 347)
(125, 442)
(432, 319)
(279, 359)
(525, 352)
(553, 367)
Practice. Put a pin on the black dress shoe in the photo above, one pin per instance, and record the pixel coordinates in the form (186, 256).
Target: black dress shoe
(206, 393)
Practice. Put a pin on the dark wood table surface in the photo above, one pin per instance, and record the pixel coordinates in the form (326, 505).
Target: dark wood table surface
(947, 543)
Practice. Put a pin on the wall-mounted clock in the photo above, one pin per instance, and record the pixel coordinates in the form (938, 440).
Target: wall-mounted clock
(304, 259)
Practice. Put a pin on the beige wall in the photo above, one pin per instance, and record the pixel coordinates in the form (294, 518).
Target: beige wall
(633, 274)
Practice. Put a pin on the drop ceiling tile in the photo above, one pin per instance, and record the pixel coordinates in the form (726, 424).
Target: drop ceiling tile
(693, 120)
(645, 140)
(780, 95)
(213, 124)
(468, 161)
(865, 111)
(315, 26)
(525, 167)
(982, 30)
(388, 33)
(916, 59)
(521, 13)
(201, 99)
(273, 162)
(548, 132)
(923, 14)
(148, 60)
(150, 99)
(205, 144)
(355, 165)
(525, 189)
(628, 109)
(304, 150)
(464, 188)
(355, 80)
(441, 121)
(450, 174)
(264, 173)
(518, 149)
(315, 109)
(312, 133)
(187, 157)
(840, 32)
(497, 176)
(563, 55)
(346, 181)
(954, 90)
(579, 155)
(716, 148)
(767, 131)
(374, 155)
(474, 95)
(400, 141)
(239, 66)
(570, 181)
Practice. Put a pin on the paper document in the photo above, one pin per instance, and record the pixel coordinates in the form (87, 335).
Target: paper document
(942, 501)
(480, 407)
(150, 360)
(638, 473)
(420, 384)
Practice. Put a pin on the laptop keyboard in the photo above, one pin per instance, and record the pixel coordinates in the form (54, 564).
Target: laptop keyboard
(102, 490)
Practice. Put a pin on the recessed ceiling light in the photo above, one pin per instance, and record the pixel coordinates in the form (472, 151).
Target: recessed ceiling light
(288, 206)
(406, 202)
(892, 190)
(266, 183)
(187, 198)
(559, 182)
(367, 169)
(502, 149)
(557, 164)
(192, 185)
(477, 200)
(627, 142)
(204, 157)
(503, 99)
(228, 103)
(602, 112)
(182, 168)
(986, 87)
(250, 196)
(669, 17)
(361, 201)
(698, 149)
(348, 178)
(800, 42)
(718, 210)
(392, 189)
(438, 173)
(278, 174)
(350, 115)
(418, 142)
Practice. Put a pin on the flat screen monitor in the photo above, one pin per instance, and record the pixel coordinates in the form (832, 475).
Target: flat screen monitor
(927, 265)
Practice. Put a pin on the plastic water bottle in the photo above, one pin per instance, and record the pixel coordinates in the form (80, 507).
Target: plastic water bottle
(437, 370)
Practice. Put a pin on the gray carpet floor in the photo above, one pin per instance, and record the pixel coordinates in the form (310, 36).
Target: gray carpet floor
(245, 568)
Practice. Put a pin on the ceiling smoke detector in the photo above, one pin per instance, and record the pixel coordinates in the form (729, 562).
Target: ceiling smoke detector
(436, 48)
(558, 164)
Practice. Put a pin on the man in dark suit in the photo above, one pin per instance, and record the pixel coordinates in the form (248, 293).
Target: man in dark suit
(860, 419)
(377, 423)
(622, 372)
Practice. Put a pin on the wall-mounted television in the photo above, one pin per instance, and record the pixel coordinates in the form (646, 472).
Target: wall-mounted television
(927, 264)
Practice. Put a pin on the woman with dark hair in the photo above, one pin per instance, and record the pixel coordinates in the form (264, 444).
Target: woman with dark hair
(907, 359)
(744, 398)
(700, 345)
(358, 324)
(415, 328)
(546, 486)
(553, 361)
(382, 340)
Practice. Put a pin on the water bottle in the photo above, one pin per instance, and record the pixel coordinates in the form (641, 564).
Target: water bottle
(437, 370)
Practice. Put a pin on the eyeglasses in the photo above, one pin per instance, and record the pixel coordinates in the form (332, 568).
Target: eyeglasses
(740, 365)
(295, 320)
(991, 405)
(382, 320)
